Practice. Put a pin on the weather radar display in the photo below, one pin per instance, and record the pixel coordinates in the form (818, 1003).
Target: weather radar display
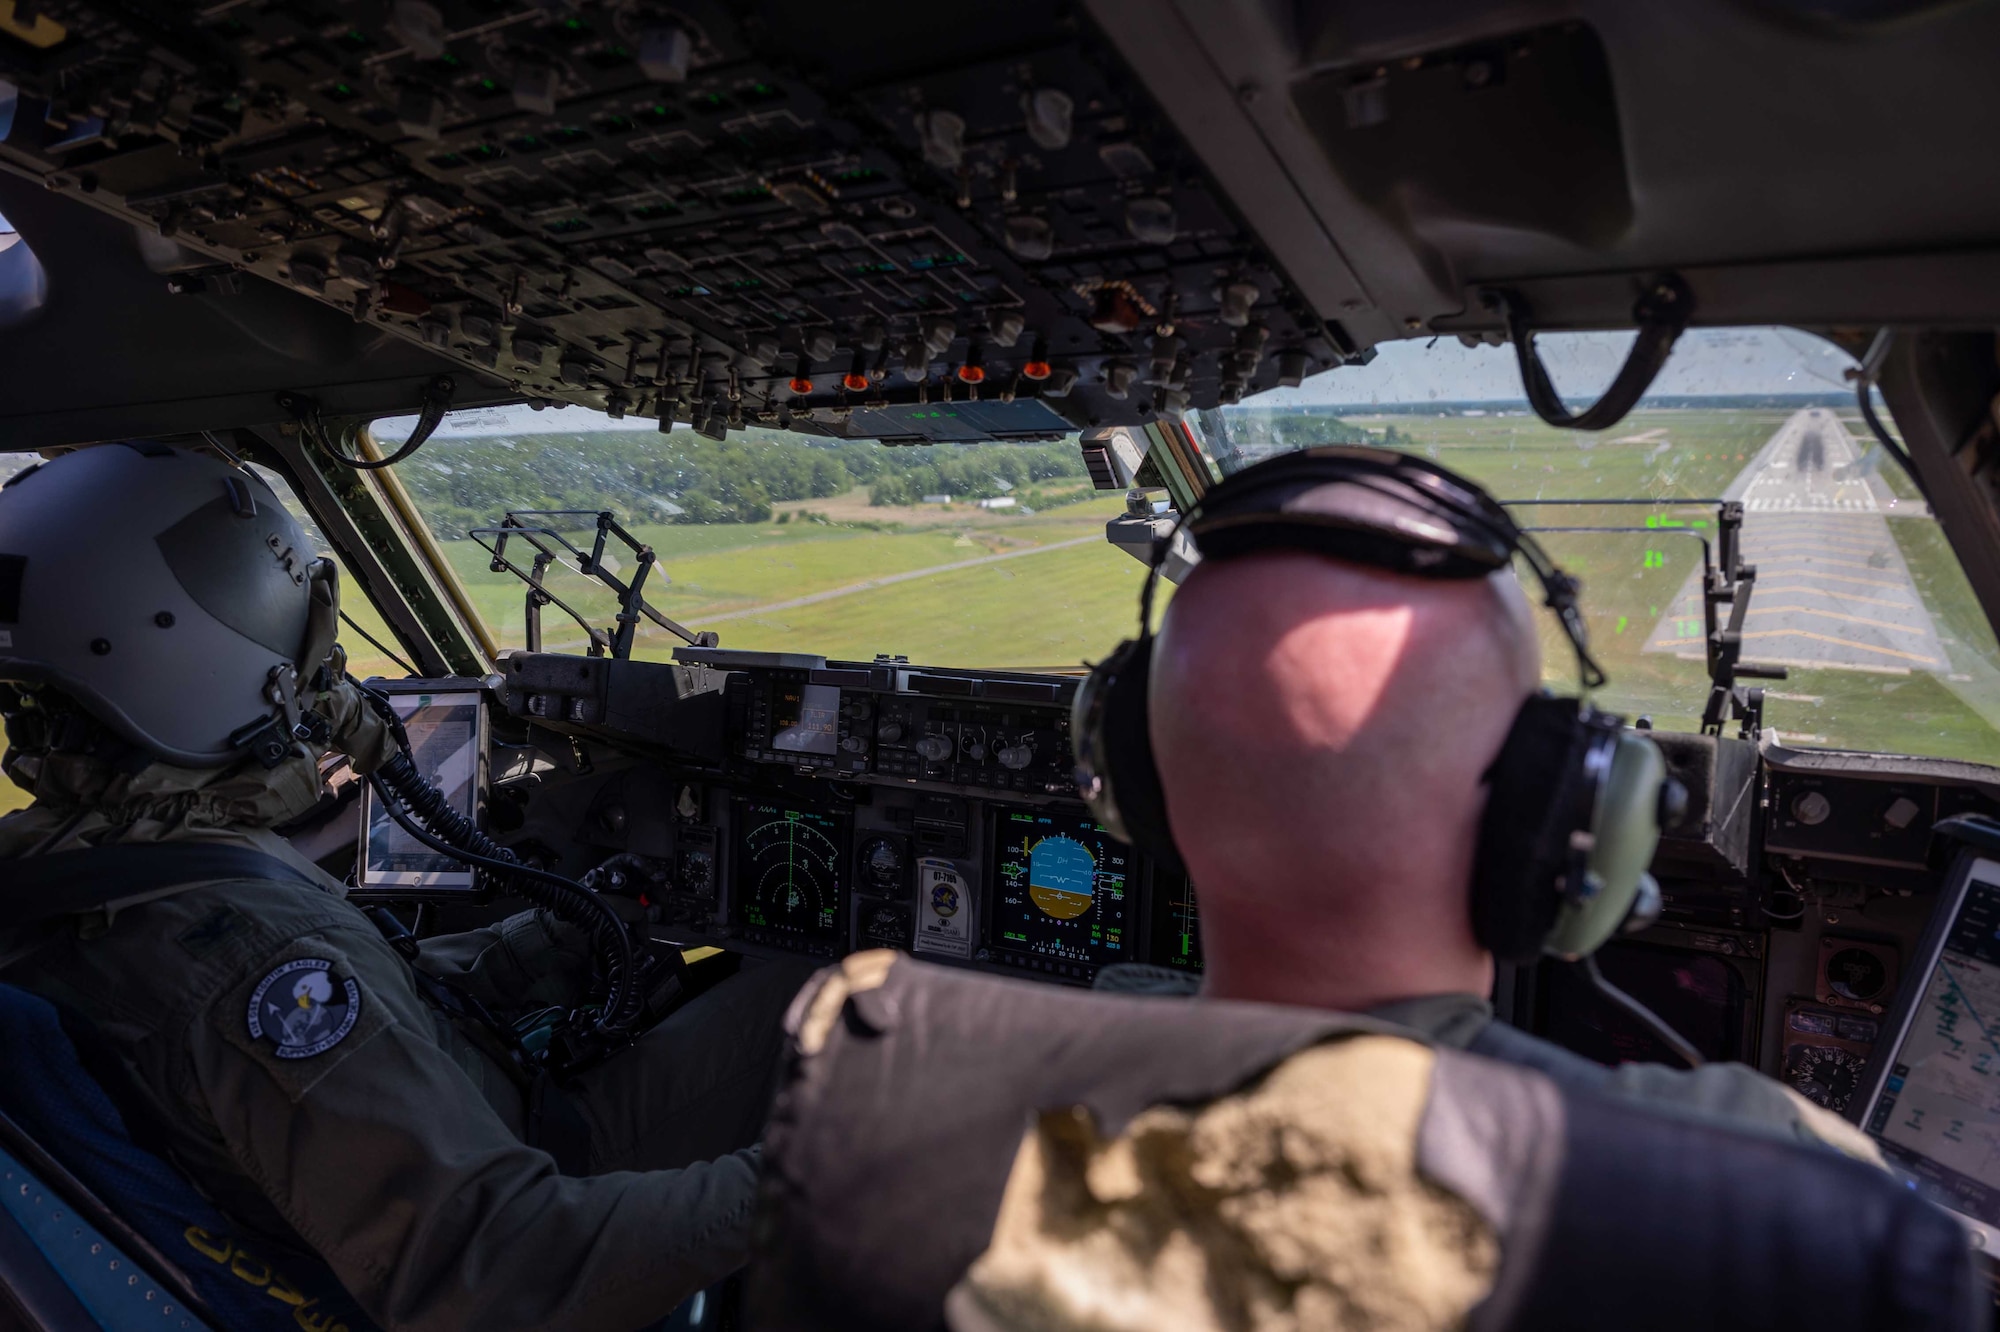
(1061, 889)
(788, 874)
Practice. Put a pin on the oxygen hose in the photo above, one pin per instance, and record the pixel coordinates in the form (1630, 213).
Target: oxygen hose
(422, 811)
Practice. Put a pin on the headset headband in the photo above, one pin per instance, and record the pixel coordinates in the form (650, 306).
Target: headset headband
(1374, 507)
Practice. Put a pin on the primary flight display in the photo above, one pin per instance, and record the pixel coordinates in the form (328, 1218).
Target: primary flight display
(1060, 888)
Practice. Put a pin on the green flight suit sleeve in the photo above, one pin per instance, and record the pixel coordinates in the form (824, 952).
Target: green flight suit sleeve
(529, 960)
(324, 1074)
(1737, 1094)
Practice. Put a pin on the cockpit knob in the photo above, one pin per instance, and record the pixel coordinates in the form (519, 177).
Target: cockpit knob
(889, 732)
(1016, 756)
(855, 744)
(936, 748)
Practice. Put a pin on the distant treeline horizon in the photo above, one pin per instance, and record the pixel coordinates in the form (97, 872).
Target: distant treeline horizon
(1456, 406)
(467, 483)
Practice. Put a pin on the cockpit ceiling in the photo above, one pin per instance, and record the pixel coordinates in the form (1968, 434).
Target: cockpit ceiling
(921, 221)
(896, 221)
(1797, 161)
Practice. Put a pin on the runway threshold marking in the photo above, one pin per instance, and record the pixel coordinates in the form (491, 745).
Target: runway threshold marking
(1840, 547)
(1849, 578)
(1756, 610)
(1829, 592)
(1840, 642)
(1821, 559)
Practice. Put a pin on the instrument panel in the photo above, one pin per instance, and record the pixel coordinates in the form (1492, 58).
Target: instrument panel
(788, 805)
(844, 806)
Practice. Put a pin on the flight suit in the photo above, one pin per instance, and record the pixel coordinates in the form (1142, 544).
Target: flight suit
(281, 1054)
(1728, 1095)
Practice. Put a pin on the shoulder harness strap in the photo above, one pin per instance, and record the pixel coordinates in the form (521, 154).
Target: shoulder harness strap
(42, 887)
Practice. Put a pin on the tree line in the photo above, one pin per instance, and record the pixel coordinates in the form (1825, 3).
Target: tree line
(682, 477)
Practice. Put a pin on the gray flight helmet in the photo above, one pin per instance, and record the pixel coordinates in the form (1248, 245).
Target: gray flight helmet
(168, 594)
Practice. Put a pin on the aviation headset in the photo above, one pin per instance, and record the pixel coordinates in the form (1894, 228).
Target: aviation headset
(1575, 802)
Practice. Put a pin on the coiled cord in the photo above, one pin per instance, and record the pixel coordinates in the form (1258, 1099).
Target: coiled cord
(421, 810)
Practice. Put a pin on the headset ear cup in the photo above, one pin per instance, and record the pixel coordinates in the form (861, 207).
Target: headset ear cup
(1531, 802)
(1127, 754)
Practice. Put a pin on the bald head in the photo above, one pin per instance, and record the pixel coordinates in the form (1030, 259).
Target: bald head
(1321, 730)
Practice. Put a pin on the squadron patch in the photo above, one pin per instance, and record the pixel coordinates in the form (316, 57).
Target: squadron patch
(303, 1009)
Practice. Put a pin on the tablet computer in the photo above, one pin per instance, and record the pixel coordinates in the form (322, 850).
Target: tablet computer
(1930, 1095)
(446, 722)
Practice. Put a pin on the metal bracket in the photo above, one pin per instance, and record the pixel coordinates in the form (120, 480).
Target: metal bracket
(551, 546)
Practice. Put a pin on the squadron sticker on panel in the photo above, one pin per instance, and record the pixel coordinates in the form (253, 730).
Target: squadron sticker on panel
(944, 909)
(303, 1009)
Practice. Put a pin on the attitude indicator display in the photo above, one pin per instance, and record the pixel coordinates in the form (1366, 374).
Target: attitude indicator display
(789, 875)
(1060, 890)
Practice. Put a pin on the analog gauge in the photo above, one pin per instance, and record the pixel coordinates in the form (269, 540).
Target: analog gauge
(1823, 1075)
(1857, 974)
(1810, 807)
(695, 873)
(884, 866)
(887, 923)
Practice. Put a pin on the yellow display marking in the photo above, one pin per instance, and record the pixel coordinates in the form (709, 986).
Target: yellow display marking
(1830, 592)
(1841, 642)
(1756, 611)
(1058, 903)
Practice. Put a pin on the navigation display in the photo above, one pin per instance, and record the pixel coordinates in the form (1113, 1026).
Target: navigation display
(1936, 1110)
(805, 718)
(1059, 888)
(789, 870)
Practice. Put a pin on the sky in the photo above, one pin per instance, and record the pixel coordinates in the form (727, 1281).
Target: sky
(1706, 362)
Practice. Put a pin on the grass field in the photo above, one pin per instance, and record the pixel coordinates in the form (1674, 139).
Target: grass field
(1062, 603)
(1629, 579)
(1060, 595)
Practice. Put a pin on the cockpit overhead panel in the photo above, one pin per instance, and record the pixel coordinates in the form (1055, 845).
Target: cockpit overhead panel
(725, 215)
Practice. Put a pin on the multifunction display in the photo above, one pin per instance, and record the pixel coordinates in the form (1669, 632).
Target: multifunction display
(805, 718)
(1059, 891)
(790, 876)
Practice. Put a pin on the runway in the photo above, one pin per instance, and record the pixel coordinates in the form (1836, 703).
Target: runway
(1832, 589)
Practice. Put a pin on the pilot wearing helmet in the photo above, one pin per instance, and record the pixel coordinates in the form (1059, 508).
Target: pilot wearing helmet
(169, 679)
